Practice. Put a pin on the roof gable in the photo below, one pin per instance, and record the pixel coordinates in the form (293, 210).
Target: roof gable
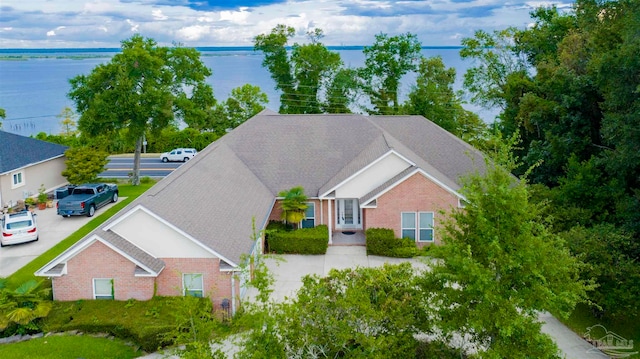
(31, 151)
(149, 266)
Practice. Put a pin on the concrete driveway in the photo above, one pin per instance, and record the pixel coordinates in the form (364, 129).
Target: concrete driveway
(52, 228)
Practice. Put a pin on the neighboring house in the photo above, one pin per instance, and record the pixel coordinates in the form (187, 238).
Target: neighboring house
(192, 231)
(26, 164)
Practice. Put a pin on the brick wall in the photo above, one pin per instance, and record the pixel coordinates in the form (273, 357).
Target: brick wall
(415, 194)
(217, 285)
(100, 261)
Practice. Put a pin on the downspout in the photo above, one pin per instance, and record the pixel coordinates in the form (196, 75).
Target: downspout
(330, 222)
(233, 293)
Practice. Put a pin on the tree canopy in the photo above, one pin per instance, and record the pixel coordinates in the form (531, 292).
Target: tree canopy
(144, 88)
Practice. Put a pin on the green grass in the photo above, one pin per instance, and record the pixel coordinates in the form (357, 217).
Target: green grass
(67, 346)
(26, 273)
(583, 318)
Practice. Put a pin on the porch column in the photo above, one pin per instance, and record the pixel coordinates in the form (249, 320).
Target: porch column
(330, 221)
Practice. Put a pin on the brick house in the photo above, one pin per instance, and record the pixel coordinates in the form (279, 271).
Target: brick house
(192, 231)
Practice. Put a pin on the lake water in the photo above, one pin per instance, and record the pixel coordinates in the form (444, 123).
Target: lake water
(33, 89)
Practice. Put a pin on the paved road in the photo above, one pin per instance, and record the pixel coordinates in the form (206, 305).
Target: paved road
(120, 167)
(52, 228)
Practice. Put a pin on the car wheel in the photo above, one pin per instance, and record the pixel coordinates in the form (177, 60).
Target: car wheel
(65, 215)
(114, 198)
(92, 211)
(164, 159)
(186, 159)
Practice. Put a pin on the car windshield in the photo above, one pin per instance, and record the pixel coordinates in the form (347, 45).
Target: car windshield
(19, 225)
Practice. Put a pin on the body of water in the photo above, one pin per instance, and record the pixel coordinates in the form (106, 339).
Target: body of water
(34, 83)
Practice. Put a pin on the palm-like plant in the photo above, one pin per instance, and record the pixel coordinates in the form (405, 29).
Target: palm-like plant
(24, 304)
(293, 205)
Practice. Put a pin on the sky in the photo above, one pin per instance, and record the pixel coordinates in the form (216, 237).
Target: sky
(199, 23)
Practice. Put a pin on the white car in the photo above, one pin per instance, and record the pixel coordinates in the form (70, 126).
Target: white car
(18, 227)
(179, 154)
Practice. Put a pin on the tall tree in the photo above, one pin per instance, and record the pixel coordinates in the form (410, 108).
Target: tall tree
(386, 62)
(245, 102)
(143, 88)
(500, 265)
(308, 76)
(434, 98)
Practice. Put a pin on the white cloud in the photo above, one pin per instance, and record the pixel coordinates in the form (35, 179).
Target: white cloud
(158, 15)
(133, 27)
(193, 33)
(353, 22)
(236, 17)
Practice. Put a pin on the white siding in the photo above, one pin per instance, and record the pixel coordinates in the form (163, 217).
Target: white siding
(372, 177)
(156, 238)
(47, 173)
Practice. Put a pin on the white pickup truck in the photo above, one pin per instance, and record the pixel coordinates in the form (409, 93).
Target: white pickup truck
(179, 154)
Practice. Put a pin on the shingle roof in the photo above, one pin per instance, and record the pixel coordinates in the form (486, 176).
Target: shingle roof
(215, 197)
(18, 151)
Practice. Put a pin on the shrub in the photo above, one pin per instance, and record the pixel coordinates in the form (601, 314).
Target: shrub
(383, 242)
(301, 241)
(128, 320)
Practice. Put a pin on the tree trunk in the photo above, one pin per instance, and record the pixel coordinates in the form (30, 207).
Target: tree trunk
(135, 177)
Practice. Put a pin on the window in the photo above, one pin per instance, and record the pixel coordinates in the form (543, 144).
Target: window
(17, 180)
(103, 288)
(426, 226)
(309, 220)
(421, 230)
(409, 225)
(193, 285)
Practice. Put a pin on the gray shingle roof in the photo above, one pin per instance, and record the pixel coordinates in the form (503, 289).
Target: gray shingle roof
(155, 264)
(19, 151)
(215, 196)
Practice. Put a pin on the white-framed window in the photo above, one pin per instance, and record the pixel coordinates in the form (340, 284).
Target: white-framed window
(417, 226)
(17, 179)
(193, 284)
(309, 220)
(103, 288)
(425, 229)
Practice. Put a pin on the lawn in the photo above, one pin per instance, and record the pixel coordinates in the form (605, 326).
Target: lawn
(582, 318)
(69, 346)
(26, 273)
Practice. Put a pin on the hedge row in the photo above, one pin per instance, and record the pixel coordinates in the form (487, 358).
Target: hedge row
(146, 323)
(300, 241)
(383, 242)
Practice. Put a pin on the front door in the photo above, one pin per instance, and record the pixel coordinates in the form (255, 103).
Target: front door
(348, 214)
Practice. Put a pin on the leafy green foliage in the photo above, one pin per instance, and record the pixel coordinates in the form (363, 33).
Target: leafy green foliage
(434, 98)
(383, 242)
(351, 313)
(301, 241)
(21, 307)
(128, 320)
(143, 88)
(84, 164)
(311, 79)
(293, 204)
(386, 62)
(500, 264)
(244, 103)
(610, 256)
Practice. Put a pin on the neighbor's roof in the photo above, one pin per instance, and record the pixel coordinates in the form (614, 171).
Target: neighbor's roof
(215, 197)
(19, 151)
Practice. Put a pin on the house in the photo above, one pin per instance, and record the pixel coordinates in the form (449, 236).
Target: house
(26, 164)
(192, 231)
